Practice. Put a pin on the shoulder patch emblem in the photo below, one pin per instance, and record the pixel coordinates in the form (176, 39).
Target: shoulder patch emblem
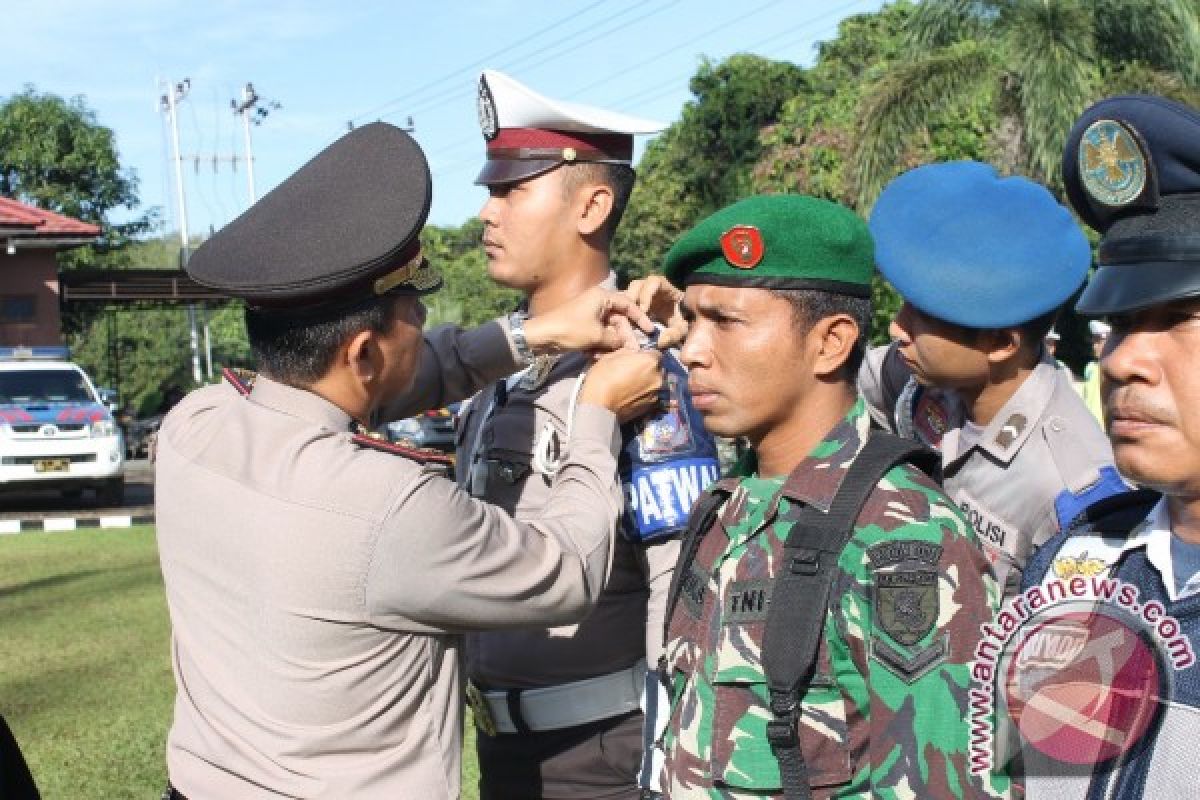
(906, 603)
(1112, 164)
(743, 246)
(421, 455)
(671, 432)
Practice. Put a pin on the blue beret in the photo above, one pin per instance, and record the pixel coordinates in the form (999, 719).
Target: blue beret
(966, 246)
(1131, 168)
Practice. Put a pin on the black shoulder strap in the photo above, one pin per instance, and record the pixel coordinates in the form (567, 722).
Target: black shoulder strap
(699, 521)
(796, 618)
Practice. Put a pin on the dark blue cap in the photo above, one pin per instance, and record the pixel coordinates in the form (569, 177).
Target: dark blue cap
(967, 246)
(1131, 168)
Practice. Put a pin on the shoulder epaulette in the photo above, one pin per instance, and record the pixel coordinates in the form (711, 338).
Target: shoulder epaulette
(422, 455)
(240, 379)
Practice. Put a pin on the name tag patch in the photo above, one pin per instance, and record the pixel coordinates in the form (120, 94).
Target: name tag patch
(990, 528)
(748, 601)
(658, 497)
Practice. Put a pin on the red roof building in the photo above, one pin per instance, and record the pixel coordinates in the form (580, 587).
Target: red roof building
(30, 238)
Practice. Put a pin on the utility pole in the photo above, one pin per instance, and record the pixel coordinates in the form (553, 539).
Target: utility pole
(169, 103)
(250, 103)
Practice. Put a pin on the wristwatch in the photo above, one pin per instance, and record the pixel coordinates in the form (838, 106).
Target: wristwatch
(516, 326)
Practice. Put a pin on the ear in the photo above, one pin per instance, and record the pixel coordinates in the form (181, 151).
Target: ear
(594, 203)
(364, 359)
(1001, 345)
(833, 339)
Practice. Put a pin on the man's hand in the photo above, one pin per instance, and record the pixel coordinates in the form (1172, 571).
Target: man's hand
(625, 382)
(598, 320)
(657, 297)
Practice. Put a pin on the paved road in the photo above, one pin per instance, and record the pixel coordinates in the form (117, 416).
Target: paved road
(139, 499)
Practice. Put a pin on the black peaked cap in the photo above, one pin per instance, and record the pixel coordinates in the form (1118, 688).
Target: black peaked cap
(344, 227)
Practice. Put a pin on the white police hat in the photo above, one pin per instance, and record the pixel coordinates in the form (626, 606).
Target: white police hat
(528, 134)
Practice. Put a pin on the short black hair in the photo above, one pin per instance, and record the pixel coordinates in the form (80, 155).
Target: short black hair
(809, 306)
(298, 349)
(618, 177)
(1034, 331)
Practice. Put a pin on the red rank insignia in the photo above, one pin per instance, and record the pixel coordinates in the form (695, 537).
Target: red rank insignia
(743, 246)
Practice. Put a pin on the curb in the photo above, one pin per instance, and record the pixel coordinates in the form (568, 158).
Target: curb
(56, 524)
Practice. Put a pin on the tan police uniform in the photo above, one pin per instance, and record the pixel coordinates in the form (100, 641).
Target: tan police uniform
(319, 582)
(1021, 477)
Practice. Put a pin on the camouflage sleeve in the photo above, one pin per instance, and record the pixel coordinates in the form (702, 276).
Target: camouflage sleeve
(916, 590)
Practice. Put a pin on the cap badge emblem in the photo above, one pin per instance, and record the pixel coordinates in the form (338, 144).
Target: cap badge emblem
(1112, 164)
(486, 107)
(743, 246)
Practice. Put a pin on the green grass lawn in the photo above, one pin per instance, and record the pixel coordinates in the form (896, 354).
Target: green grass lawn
(85, 677)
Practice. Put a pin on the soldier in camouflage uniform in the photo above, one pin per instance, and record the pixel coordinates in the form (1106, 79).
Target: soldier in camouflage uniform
(885, 714)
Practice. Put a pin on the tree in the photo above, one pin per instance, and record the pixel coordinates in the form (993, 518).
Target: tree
(705, 160)
(811, 149)
(1040, 63)
(56, 156)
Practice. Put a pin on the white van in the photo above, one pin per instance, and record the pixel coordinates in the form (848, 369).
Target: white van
(54, 430)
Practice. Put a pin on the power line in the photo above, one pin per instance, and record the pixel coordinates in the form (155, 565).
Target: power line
(669, 85)
(566, 46)
(407, 96)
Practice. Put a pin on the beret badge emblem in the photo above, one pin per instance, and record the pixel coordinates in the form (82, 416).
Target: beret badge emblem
(743, 246)
(1112, 165)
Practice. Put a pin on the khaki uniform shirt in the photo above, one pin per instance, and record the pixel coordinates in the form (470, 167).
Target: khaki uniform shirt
(318, 587)
(1042, 457)
(627, 623)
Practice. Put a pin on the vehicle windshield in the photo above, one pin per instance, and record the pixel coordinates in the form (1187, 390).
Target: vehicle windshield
(44, 386)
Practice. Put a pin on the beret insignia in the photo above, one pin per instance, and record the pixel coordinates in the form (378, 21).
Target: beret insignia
(486, 107)
(1112, 163)
(743, 246)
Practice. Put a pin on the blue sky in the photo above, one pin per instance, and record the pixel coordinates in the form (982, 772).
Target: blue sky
(329, 63)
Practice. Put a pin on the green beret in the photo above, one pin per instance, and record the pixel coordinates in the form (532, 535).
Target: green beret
(777, 242)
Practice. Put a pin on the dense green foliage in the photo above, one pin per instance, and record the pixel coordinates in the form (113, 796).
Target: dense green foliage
(56, 156)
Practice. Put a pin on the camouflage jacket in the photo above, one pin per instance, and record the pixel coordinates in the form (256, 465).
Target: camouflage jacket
(886, 714)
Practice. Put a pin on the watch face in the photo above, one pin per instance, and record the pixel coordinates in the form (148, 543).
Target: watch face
(486, 107)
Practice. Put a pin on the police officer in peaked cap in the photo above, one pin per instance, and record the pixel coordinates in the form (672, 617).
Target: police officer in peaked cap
(570, 711)
(983, 263)
(319, 581)
(1132, 172)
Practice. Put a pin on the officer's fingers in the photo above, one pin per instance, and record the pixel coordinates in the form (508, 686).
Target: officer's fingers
(619, 334)
(623, 305)
(674, 334)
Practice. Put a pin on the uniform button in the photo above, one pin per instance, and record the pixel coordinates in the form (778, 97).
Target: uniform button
(1056, 425)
